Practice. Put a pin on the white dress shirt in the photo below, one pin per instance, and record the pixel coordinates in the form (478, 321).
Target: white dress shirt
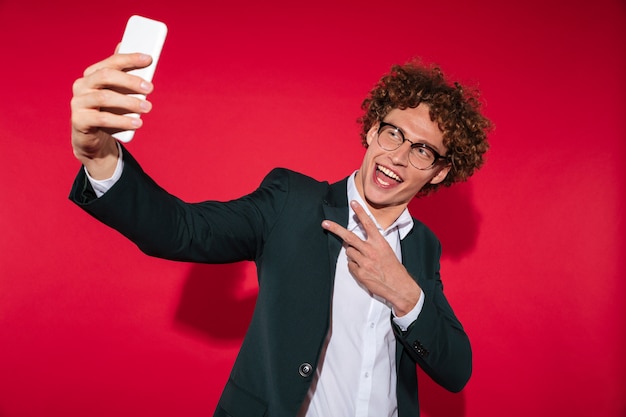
(356, 375)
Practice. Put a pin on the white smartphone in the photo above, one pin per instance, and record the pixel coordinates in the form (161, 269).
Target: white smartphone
(146, 36)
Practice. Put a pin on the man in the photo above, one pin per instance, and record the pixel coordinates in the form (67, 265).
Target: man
(350, 297)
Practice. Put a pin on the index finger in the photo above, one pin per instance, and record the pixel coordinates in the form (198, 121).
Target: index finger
(344, 234)
(121, 62)
(369, 226)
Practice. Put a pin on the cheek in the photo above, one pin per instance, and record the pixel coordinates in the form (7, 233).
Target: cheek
(417, 182)
(370, 155)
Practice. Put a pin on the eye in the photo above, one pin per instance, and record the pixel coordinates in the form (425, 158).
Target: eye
(392, 134)
(423, 152)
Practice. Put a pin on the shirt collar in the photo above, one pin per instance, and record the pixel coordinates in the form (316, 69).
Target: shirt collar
(404, 223)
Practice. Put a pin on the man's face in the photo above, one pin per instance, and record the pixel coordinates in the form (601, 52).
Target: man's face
(387, 181)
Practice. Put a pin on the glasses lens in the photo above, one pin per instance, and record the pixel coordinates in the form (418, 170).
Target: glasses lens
(390, 138)
(422, 157)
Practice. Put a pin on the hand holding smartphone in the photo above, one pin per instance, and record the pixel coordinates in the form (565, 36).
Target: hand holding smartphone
(146, 36)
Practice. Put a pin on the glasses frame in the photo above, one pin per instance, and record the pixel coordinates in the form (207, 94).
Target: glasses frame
(414, 145)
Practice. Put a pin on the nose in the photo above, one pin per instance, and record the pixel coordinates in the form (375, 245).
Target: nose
(401, 155)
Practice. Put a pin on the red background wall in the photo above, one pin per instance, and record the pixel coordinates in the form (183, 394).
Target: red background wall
(533, 245)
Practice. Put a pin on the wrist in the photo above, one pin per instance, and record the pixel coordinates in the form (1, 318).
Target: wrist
(100, 164)
(407, 300)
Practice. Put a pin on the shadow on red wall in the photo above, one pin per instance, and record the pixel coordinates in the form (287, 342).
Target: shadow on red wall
(452, 215)
(211, 301)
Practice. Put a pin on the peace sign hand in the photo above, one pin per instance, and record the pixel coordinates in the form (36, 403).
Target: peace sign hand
(374, 265)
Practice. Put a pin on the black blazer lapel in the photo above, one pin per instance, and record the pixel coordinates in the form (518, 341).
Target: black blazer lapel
(411, 258)
(335, 208)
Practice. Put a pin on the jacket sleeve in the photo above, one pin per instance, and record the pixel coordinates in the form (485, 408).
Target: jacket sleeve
(436, 340)
(164, 226)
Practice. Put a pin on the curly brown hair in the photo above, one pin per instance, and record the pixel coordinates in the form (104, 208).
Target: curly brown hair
(455, 109)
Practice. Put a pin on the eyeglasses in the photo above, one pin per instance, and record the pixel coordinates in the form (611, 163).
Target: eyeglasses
(421, 156)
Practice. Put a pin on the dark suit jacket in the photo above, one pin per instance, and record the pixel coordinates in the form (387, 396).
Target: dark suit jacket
(278, 226)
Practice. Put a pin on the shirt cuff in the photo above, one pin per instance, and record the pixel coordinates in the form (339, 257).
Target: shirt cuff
(102, 186)
(405, 321)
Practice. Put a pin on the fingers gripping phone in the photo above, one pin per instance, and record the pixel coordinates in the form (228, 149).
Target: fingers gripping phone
(146, 36)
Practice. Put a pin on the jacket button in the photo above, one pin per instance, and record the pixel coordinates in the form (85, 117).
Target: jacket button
(421, 350)
(305, 369)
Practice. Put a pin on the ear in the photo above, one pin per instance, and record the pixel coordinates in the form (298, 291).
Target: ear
(441, 174)
(371, 134)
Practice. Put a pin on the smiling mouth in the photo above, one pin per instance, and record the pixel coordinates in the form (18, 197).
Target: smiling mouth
(387, 174)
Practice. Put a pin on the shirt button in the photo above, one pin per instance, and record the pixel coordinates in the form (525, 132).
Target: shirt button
(305, 369)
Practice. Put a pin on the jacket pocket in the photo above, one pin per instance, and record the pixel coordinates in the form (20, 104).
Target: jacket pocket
(237, 402)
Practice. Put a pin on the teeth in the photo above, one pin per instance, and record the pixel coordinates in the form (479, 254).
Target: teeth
(388, 173)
